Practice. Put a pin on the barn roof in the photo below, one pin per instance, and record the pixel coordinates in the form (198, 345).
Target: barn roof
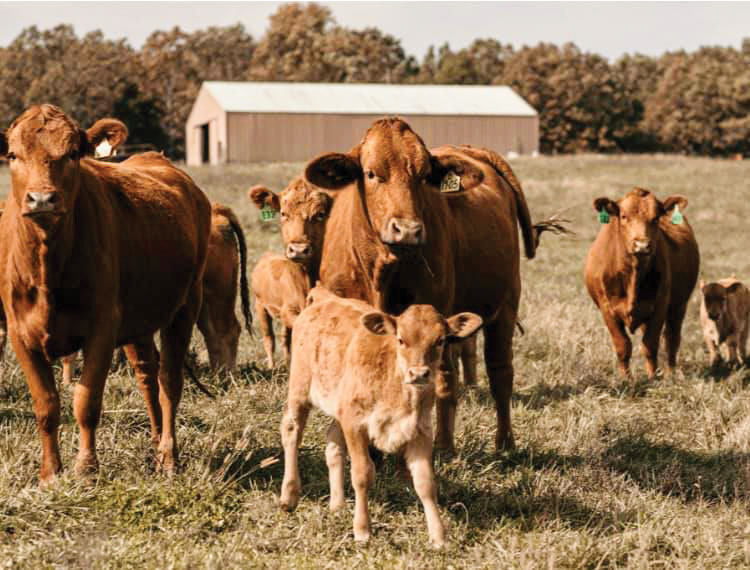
(367, 98)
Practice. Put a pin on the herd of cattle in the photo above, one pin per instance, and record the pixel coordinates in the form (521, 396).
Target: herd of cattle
(396, 256)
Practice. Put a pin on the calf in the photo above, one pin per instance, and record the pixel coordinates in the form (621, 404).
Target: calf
(281, 283)
(725, 318)
(640, 272)
(96, 255)
(375, 375)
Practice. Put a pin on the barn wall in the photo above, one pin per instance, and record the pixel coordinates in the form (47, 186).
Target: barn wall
(206, 111)
(253, 137)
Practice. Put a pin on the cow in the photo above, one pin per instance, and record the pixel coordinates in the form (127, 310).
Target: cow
(641, 271)
(393, 239)
(725, 318)
(95, 255)
(375, 375)
(281, 283)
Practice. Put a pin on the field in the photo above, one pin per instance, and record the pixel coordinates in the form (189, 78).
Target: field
(607, 472)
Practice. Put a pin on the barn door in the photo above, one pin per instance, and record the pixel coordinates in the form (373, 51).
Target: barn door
(205, 145)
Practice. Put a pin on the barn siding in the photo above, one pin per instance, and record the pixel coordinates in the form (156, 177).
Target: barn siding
(206, 111)
(256, 137)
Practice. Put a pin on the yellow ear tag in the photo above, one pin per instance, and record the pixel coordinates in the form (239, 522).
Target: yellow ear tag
(267, 214)
(451, 182)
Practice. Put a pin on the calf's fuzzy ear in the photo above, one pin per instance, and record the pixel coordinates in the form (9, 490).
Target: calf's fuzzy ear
(462, 326)
(609, 206)
(379, 323)
(262, 197)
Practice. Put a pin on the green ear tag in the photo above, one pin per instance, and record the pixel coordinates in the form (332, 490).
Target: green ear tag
(603, 216)
(677, 216)
(267, 214)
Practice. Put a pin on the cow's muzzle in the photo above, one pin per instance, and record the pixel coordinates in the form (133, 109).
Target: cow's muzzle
(403, 232)
(714, 316)
(298, 251)
(37, 203)
(642, 247)
(418, 375)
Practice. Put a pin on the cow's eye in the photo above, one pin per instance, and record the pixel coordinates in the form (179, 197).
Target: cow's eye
(10, 156)
(74, 155)
(440, 342)
(624, 218)
(401, 342)
(319, 217)
(283, 216)
(370, 175)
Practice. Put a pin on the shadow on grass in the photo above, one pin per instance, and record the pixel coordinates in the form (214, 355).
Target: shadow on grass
(675, 472)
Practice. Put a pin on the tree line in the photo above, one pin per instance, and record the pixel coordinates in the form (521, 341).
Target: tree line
(695, 103)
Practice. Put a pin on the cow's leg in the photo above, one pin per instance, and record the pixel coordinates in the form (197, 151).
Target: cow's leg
(144, 358)
(206, 326)
(67, 369)
(498, 357)
(175, 340)
(714, 356)
(266, 328)
(621, 343)
(231, 340)
(87, 397)
(418, 455)
(469, 360)
(363, 476)
(743, 341)
(41, 381)
(650, 345)
(335, 459)
(446, 390)
(673, 334)
(287, 347)
(292, 428)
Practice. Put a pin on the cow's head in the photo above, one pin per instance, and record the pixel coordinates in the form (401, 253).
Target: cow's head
(303, 211)
(714, 298)
(44, 148)
(421, 334)
(393, 169)
(638, 215)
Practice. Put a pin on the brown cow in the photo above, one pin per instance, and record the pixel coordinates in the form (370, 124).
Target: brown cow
(375, 375)
(725, 318)
(281, 284)
(95, 255)
(641, 271)
(394, 239)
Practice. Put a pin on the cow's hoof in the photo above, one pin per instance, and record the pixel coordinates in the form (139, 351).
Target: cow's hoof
(85, 465)
(362, 535)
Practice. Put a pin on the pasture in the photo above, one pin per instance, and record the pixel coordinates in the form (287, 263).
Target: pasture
(607, 472)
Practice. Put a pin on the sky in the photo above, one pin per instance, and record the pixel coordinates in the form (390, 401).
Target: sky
(608, 28)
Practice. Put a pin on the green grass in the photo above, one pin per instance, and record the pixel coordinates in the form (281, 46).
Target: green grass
(607, 473)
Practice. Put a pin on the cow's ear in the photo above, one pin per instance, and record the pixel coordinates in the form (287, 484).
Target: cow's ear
(3, 144)
(469, 174)
(702, 285)
(379, 323)
(326, 202)
(262, 197)
(106, 136)
(607, 205)
(334, 170)
(672, 201)
(462, 326)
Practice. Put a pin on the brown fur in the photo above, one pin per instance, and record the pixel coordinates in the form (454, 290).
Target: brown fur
(390, 176)
(375, 376)
(640, 272)
(117, 253)
(725, 318)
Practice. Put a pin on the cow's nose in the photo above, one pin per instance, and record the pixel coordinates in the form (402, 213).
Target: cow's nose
(713, 316)
(642, 247)
(401, 231)
(417, 374)
(298, 250)
(38, 202)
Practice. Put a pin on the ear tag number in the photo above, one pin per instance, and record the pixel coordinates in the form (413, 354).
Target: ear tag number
(451, 182)
(603, 216)
(267, 214)
(677, 216)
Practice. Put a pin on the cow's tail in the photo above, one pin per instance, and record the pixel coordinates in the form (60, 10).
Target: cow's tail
(244, 287)
(197, 382)
(528, 231)
(555, 224)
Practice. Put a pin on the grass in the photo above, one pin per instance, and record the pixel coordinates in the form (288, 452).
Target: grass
(607, 473)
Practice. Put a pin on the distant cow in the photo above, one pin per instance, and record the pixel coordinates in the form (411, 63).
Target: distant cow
(375, 375)
(640, 272)
(92, 256)
(281, 283)
(725, 318)
(395, 239)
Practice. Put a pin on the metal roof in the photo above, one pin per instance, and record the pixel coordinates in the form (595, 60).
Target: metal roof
(367, 98)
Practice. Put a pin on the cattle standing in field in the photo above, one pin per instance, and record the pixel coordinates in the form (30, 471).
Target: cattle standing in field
(92, 256)
(375, 375)
(725, 318)
(641, 271)
(394, 239)
(281, 283)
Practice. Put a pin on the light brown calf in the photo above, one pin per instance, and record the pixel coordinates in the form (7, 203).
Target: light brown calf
(725, 318)
(375, 375)
(641, 271)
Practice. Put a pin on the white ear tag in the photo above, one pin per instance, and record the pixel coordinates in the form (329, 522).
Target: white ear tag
(103, 149)
(451, 182)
